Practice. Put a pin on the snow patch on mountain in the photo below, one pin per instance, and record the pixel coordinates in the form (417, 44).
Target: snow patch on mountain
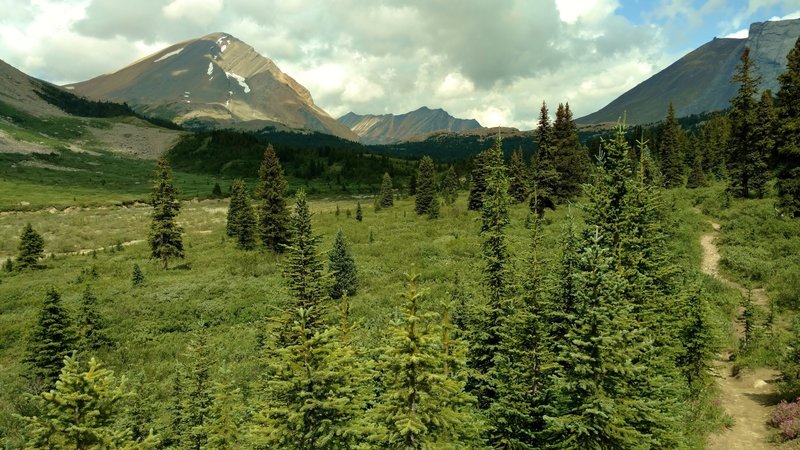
(210, 68)
(240, 79)
(169, 54)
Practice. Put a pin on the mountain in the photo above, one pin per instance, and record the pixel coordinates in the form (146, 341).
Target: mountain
(701, 80)
(390, 128)
(215, 81)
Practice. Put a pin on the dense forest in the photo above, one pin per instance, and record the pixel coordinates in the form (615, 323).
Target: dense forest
(531, 299)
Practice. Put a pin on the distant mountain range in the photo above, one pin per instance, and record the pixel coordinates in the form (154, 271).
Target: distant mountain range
(390, 128)
(214, 81)
(701, 81)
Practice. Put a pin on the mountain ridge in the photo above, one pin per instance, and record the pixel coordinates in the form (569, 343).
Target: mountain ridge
(391, 128)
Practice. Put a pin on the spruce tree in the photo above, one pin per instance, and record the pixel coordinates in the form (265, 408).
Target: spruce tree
(698, 342)
(90, 326)
(386, 196)
(197, 404)
(478, 181)
(697, 177)
(714, 137)
(223, 426)
(343, 267)
(518, 175)
(412, 184)
(742, 119)
(241, 218)
(359, 212)
(273, 217)
(216, 192)
(672, 155)
(165, 234)
(450, 186)
(52, 339)
(788, 134)
(423, 404)
(82, 411)
(763, 145)
(426, 186)
(138, 277)
(570, 159)
(486, 334)
(31, 248)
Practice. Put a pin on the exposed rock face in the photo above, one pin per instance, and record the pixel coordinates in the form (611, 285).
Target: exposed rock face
(701, 81)
(217, 81)
(390, 128)
(17, 89)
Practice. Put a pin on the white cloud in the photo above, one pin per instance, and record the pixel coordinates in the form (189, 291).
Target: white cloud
(455, 85)
(570, 11)
(741, 34)
(201, 12)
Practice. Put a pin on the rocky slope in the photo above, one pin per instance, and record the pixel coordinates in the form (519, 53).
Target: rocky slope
(214, 81)
(390, 128)
(701, 80)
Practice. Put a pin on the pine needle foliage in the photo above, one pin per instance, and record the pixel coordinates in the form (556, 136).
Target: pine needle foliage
(386, 195)
(273, 215)
(165, 234)
(450, 186)
(788, 134)
(518, 175)
(50, 342)
(241, 218)
(31, 248)
(478, 181)
(90, 325)
(426, 186)
(343, 267)
(743, 122)
(672, 155)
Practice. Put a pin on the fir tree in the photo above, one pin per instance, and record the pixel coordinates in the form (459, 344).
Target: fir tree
(426, 186)
(82, 411)
(241, 218)
(763, 145)
(450, 186)
(223, 426)
(742, 118)
(197, 400)
(672, 155)
(714, 137)
(165, 234)
(423, 403)
(748, 320)
(91, 327)
(359, 212)
(570, 159)
(485, 337)
(343, 268)
(478, 181)
(788, 134)
(52, 339)
(273, 218)
(697, 339)
(31, 248)
(303, 267)
(138, 277)
(697, 177)
(216, 192)
(518, 174)
(544, 177)
(412, 184)
(386, 196)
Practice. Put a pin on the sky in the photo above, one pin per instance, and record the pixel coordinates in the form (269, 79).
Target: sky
(492, 60)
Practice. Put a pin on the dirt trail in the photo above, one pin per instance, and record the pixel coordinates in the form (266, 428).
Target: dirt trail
(747, 396)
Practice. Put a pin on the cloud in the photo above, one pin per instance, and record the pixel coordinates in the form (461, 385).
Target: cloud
(201, 12)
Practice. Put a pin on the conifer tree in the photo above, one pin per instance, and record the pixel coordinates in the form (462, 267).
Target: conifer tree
(742, 118)
(672, 155)
(412, 184)
(31, 248)
(518, 177)
(241, 218)
(697, 339)
(485, 337)
(303, 267)
(52, 339)
(197, 389)
(359, 212)
(138, 277)
(223, 426)
(788, 134)
(763, 145)
(450, 186)
(423, 403)
(82, 411)
(697, 177)
(273, 217)
(343, 267)
(216, 192)
(570, 159)
(544, 177)
(478, 181)
(91, 327)
(165, 234)
(386, 196)
(426, 186)
(714, 137)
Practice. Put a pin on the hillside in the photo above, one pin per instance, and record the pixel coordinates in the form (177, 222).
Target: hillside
(701, 81)
(215, 81)
(390, 128)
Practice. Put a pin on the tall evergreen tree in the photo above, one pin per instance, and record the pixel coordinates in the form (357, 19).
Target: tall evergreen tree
(386, 196)
(697, 177)
(699, 344)
(31, 248)
(91, 327)
(241, 218)
(223, 426)
(52, 339)
(165, 234)
(570, 159)
(486, 334)
(670, 151)
(82, 411)
(450, 186)
(359, 212)
(198, 391)
(478, 181)
(343, 267)
(426, 186)
(763, 145)
(518, 174)
(788, 134)
(273, 217)
(743, 119)
(423, 403)
(714, 137)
